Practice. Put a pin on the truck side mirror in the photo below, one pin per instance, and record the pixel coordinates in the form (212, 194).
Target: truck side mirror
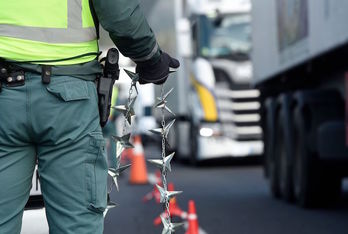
(184, 43)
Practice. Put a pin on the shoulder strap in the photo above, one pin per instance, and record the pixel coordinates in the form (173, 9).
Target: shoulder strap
(95, 18)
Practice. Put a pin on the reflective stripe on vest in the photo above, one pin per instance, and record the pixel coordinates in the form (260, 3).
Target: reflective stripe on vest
(60, 26)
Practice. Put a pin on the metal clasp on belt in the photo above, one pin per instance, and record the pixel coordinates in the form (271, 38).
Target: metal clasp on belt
(11, 78)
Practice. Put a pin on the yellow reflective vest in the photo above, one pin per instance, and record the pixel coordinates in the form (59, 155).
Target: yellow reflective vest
(57, 32)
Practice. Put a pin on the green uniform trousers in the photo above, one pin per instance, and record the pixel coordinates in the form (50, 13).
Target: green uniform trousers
(57, 125)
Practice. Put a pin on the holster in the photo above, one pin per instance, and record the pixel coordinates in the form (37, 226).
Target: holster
(105, 84)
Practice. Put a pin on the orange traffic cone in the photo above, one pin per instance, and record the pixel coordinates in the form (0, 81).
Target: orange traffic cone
(138, 173)
(193, 227)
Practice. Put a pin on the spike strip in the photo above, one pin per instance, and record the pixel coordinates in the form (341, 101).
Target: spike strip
(164, 172)
(123, 141)
(130, 101)
(164, 164)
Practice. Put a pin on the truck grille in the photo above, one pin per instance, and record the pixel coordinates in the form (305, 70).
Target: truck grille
(239, 111)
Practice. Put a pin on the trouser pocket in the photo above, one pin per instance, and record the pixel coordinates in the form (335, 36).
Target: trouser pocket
(96, 173)
(69, 89)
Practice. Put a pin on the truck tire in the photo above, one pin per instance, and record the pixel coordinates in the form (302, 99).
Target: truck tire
(314, 184)
(271, 161)
(269, 132)
(283, 153)
(284, 147)
(306, 168)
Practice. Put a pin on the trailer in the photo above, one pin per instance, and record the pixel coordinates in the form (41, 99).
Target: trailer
(300, 51)
(217, 110)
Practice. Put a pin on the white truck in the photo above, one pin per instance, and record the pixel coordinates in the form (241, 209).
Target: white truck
(217, 111)
(300, 51)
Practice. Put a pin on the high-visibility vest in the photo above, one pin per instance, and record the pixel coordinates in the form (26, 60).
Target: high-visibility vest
(57, 32)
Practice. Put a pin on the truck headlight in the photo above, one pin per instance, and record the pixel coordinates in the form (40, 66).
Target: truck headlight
(210, 130)
(206, 132)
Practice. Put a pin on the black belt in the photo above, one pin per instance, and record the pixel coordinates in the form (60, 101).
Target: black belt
(12, 76)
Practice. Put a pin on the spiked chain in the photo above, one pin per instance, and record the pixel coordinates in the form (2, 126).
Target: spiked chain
(123, 142)
(164, 164)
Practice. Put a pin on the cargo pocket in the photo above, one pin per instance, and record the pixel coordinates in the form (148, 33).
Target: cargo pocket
(96, 173)
(69, 89)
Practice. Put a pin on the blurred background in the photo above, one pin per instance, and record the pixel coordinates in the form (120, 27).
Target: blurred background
(261, 128)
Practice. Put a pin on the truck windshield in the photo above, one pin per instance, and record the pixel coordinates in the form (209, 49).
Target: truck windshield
(226, 36)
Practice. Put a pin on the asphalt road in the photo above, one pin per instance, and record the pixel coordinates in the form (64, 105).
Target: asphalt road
(229, 199)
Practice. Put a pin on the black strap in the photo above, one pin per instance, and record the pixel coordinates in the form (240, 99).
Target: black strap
(95, 18)
(46, 74)
(97, 54)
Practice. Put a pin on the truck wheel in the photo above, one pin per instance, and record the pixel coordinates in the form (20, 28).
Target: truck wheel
(273, 166)
(269, 131)
(284, 148)
(282, 153)
(305, 170)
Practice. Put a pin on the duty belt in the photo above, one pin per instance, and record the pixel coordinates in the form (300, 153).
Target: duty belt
(12, 75)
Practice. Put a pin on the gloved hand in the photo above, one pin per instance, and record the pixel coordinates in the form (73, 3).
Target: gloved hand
(158, 72)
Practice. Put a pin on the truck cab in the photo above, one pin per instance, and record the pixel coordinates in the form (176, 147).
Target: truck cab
(221, 117)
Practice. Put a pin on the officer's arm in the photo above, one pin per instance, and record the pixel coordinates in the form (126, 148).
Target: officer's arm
(128, 29)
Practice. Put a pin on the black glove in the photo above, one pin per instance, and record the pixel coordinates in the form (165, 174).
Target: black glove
(158, 72)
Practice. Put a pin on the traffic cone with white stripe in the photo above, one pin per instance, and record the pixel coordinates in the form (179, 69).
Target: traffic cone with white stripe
(193, 227)
(138, 173)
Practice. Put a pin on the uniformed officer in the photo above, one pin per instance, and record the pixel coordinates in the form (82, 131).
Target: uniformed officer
(48, 104)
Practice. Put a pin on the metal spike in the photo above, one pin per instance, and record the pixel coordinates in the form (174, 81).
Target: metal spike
(119, 150)
(115, 173)
(123, 140)
(127, 110)
(163, 104)
(164, 132)
(172, 70)
(157, 131)
(132, 75)
(167, 128)
(169, 110)
(120, 108)
(162, 100)
(164, 165)
(168, 227)
(167, 94)
(114, 178)
(166, 195)
(109, 206)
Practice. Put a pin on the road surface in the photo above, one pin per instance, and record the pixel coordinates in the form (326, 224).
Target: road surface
(229, 199)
